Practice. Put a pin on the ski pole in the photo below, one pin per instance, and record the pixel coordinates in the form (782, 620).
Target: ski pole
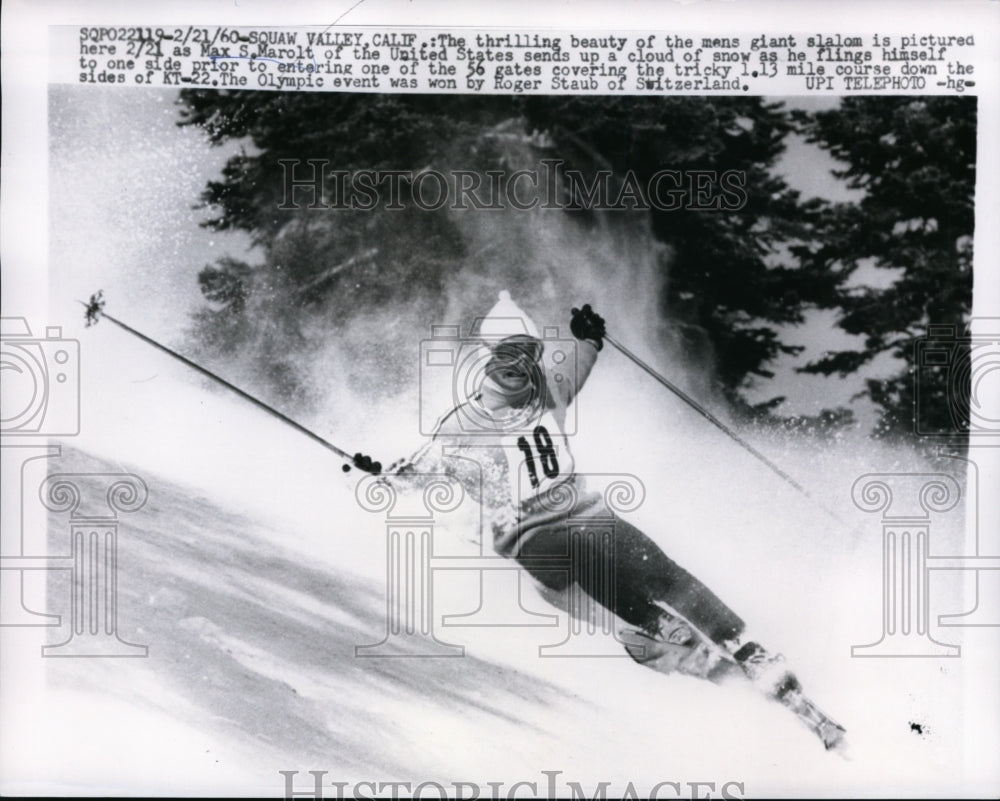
(95, 311)
(722, 427)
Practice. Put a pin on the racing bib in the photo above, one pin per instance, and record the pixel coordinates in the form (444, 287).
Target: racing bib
(538, 459)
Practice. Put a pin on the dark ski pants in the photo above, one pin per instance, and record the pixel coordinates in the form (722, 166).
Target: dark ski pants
(622, 569)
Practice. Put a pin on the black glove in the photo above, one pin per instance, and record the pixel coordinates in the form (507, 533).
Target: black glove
(588, 324)
(365, 463)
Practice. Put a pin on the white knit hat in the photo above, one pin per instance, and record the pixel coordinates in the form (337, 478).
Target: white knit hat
(505, 319)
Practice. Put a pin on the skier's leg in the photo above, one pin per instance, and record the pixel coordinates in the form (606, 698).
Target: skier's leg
(644, 576)
(664, 604)
(650, 591)
(645, 579)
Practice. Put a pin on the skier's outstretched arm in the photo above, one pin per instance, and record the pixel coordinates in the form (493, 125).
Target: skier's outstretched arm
(588, 327)
(412, 471)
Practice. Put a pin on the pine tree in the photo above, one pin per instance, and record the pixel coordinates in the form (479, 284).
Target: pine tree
(901, 257)
(731, 278)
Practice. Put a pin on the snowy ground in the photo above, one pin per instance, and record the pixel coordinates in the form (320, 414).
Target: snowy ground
(252, 573)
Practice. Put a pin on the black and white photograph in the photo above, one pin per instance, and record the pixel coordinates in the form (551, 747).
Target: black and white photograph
(406, 403)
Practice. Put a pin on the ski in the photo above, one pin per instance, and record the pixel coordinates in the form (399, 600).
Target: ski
(830, 732)
(707, 660)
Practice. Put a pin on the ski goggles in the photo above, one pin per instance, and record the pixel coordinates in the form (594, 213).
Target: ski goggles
(519, 347)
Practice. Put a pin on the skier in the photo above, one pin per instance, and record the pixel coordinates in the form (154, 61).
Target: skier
(507, 445)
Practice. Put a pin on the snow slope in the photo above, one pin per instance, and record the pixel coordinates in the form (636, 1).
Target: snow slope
(252, 573)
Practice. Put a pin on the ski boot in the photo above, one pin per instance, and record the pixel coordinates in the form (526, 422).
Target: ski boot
(766, 670)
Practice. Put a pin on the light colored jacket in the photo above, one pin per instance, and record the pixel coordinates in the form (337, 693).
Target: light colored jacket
(510, 458)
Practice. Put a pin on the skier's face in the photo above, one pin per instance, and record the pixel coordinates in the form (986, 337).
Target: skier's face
(514, 364)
